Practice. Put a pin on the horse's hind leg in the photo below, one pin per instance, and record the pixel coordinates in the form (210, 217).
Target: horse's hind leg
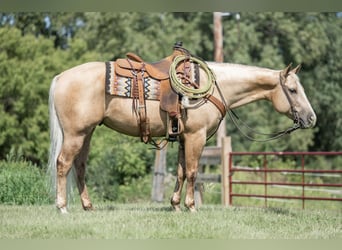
(80, 166)
(70, 149)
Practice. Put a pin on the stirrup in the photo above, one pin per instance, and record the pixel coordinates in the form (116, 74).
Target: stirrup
(175, 128)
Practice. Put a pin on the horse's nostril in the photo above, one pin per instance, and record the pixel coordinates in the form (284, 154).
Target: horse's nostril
(312, 119)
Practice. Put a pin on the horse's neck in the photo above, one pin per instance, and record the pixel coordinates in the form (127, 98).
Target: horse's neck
(242, 84)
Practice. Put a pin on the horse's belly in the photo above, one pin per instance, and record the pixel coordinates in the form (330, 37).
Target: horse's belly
(120, 116)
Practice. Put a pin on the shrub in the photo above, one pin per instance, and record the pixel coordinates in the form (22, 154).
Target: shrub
(116, 164)
(22, 183)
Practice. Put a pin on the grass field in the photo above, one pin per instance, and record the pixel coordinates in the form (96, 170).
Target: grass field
(158, 221)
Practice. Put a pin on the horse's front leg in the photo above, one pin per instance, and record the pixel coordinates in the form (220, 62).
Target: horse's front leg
(193, 147)
(176, 198)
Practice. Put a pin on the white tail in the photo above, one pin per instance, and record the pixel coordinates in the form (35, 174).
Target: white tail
(56, 136)
(56, 141)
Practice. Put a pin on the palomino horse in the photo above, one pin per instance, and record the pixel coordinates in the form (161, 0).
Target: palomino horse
(78, 103)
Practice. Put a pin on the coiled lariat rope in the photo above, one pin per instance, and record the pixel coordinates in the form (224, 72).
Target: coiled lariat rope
(187, 90)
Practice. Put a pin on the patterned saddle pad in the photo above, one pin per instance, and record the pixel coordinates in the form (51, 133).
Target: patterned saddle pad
(123, 86)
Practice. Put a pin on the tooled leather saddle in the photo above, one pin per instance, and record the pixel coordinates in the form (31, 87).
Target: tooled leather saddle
(138, 77)
(134, 78)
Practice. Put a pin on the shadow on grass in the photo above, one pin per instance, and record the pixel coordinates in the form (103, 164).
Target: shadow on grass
(276, 210)
(155, 207)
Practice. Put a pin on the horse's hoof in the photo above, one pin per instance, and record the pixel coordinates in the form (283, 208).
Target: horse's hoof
(177, 209)
(63, 210)
(192, 209)
(175, 205)
(88, 208)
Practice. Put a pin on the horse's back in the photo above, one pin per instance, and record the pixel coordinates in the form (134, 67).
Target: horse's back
(91, 70)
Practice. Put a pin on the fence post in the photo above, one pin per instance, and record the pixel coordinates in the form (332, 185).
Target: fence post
(226, 149)
(159, 174)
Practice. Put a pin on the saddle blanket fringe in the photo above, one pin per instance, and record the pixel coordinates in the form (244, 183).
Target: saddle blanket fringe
(123, 86)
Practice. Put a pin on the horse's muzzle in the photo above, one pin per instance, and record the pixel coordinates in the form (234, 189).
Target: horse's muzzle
(309, 122)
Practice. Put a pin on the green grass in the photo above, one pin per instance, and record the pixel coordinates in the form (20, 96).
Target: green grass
(158, 221)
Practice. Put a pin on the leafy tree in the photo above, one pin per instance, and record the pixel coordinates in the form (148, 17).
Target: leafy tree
(27, 66)
(60, 27)
(151, 35)
(23, 92)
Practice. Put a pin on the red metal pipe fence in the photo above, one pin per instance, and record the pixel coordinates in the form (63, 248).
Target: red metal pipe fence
(265, 170)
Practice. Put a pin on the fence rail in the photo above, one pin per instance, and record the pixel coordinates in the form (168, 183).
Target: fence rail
(266, 183)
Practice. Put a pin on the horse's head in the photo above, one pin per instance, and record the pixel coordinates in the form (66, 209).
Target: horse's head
(289, 98)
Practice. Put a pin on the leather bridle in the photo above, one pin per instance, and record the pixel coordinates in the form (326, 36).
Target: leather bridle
(272, 136)
(292, 106)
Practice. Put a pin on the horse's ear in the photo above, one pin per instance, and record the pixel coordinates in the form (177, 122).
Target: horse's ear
(296, 69)
(286, 71)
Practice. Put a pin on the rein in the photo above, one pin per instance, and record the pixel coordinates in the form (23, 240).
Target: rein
(273, 136)
(233, 116)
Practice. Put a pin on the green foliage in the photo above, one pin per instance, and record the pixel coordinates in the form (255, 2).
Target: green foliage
(151, 35)
(137, 191)
(117, 160)
(22, 183)
(28, 64)
(23, 92)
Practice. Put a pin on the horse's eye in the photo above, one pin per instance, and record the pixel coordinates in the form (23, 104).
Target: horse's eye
(292, 91)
